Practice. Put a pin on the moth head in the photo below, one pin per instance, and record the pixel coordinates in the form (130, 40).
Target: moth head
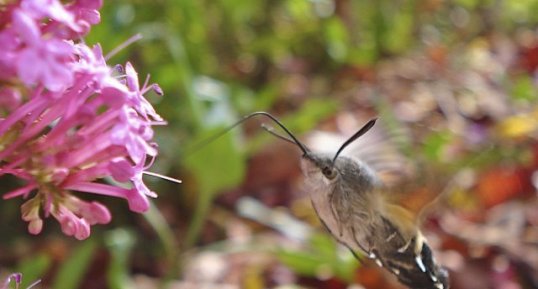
(332, 166)
(319, 163)
(329, 167)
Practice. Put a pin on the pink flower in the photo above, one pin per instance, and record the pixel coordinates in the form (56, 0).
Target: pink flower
(51, 9)
(41, 60)
(85, 12)
(73, 123)
(17, 277)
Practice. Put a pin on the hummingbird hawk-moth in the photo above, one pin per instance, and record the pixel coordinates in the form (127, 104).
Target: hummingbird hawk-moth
(354, 205)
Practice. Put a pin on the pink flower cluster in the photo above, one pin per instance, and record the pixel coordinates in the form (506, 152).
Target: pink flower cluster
(67, 120)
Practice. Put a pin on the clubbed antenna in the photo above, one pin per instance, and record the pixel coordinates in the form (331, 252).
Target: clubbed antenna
(358, 134)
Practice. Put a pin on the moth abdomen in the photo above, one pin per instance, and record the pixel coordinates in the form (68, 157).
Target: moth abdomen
(418, 270)
(406, 255)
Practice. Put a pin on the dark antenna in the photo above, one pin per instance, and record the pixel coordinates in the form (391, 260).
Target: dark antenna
(292, 138)
(358, 134)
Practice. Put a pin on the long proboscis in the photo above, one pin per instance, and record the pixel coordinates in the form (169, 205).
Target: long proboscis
(249, 116)
(365, 128)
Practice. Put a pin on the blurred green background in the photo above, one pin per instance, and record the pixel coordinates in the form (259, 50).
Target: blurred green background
(461, 76)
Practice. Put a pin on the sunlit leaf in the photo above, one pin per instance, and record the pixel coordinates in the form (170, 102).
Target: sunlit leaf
(435, 144)
(337, 39)
(301, 10)
(304, 263)
(321, 257)
(219, 165)
(524, 89)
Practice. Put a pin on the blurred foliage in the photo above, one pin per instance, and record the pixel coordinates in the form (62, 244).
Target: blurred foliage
(438, 63)
(320, 259)
(72, 271)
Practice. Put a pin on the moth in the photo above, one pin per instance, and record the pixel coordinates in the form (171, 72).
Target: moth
(353, 204)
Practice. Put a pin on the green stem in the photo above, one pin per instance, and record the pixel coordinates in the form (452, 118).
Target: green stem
(165, 234)
(202, 208)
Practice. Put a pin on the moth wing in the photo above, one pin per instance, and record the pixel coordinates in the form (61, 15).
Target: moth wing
(422, 193)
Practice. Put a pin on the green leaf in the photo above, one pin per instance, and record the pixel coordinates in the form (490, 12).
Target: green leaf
(397, 39)
(435, 143)
(300, 10)
(324, 245)
(337, 39)
(216, 167)
(219, 165)
(310, 113)
(73, 269)
(267, 96)
(524, 89)
(304, 263)
(343, 266)
(322, 256)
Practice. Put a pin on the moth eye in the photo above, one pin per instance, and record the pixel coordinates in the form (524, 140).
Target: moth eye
(329, 172)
